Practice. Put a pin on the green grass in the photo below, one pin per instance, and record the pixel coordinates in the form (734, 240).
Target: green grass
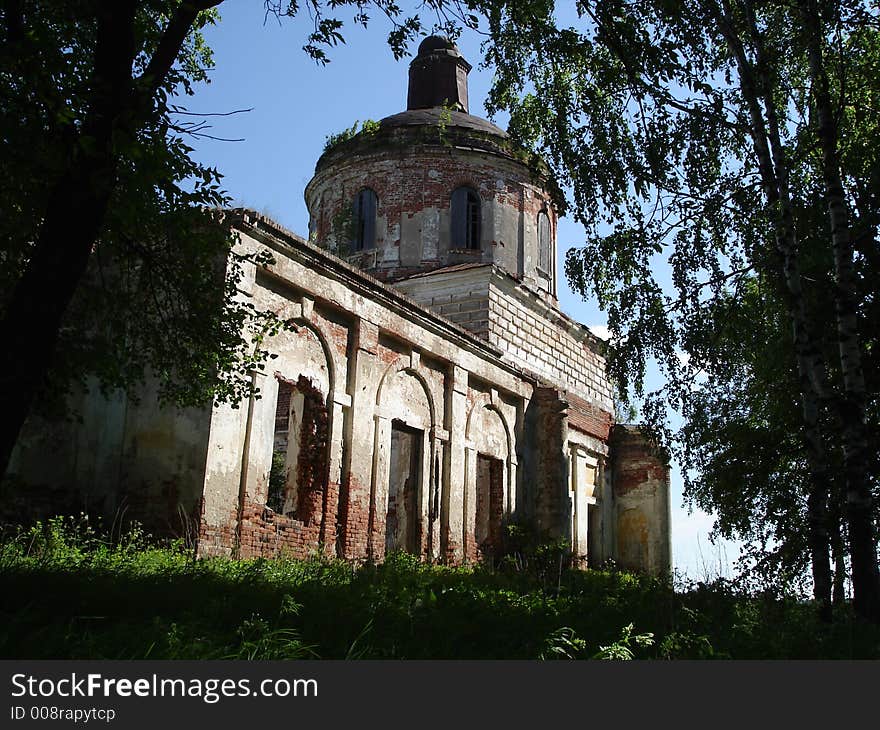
(67, 593)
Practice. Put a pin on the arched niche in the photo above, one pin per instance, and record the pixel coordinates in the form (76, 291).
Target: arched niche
(489, 479)
(404, 465)
(301, 440)
(301, 350)
(404, 396)
(488, 432)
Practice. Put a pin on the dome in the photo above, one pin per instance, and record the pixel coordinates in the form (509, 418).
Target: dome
(436, 43)
(437, 116)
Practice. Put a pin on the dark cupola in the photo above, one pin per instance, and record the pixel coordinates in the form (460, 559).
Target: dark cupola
(438, 76)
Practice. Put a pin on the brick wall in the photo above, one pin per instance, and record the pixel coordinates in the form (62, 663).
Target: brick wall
(471, 313)
(553, 509)
(414, 173)
(548, 345)
(588, 418)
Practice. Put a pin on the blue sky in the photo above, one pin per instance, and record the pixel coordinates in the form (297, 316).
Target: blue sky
(296, 104)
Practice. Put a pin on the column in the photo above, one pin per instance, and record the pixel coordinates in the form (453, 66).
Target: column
(379, 490)
(469, 517)
(339, 406)
(357, 460)
(452, 496)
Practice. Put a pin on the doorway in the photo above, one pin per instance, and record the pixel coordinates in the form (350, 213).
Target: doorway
(490, 505)
(402, 525)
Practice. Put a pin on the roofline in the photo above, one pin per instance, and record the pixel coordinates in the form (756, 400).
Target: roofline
(280, 238)
(451, 269)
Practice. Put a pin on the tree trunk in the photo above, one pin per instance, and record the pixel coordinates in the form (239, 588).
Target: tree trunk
(29, 330)
(851, 406)
(838, 590)
(773, 169)
(73, 219)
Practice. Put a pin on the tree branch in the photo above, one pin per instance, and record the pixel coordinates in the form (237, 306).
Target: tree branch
(170, 44)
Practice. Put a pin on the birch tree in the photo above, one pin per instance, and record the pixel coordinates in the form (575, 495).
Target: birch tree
(685, 131)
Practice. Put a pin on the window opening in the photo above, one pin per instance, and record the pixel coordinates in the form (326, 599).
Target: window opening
(544, 243)
(364, 220)
(465, 219)
(298, 478)
(490, 505)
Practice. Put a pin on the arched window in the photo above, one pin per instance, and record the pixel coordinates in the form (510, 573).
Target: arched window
(364, 220)
(465, 218)
(545, 246)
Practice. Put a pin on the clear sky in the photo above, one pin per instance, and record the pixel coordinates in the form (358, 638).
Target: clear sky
(296, 104)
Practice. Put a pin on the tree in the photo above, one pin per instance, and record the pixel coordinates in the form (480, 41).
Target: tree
(88, 155)
(740, 445)
(740, 436)
(113, 265)
(685, 131)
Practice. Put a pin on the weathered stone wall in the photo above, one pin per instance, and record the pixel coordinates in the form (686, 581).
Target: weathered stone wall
(494, 430)
(380, 363)
(458, 293)
(641, 498)
(532, 335)
(311, 464)
(553, 506)
(120, 459)
(68, 482)
(548, 344)
(592, 501)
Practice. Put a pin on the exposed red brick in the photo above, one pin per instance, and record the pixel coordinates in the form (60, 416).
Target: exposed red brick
(587, 418)
(637, 461)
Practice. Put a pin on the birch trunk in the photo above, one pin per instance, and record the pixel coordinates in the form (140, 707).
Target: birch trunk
(851, 406)
(838, 590)
(810, 366)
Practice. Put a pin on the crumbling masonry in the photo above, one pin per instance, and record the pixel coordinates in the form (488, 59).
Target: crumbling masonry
(427, 392)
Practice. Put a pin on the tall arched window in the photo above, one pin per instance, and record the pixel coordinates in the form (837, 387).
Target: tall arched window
(465, 218)
(545, 245)
(364, 220)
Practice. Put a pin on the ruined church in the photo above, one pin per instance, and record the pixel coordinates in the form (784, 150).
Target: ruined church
(427, 392)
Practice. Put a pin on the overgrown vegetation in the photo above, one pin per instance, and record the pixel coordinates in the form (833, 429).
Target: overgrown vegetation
(68, 592)
(368, 128)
